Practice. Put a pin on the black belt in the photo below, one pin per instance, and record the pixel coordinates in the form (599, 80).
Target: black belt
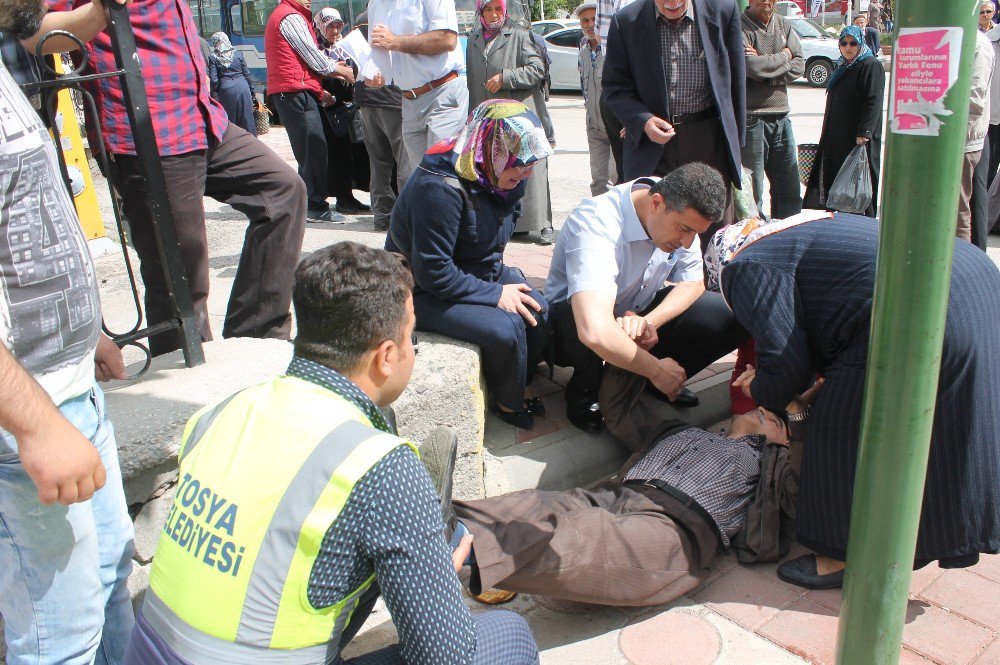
(688, 501)
(767, 116)
(681, 118)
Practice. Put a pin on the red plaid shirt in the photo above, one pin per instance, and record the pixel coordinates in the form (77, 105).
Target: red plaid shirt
(185, 117)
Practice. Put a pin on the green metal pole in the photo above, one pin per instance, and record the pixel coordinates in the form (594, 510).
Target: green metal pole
(916, 238)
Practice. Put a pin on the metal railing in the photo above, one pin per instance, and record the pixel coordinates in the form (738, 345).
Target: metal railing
(134, 94)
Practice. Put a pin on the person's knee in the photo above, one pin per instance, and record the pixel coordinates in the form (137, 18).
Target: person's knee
(505, 637)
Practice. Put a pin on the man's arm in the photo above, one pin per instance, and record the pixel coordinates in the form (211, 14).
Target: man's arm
(619, 87)
(434, 42)
(64, 465)
(737, 71)
(84, 22)
(598, 330)
(297, 33)
(680, 298)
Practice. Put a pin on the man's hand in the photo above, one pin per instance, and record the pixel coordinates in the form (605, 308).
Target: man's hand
(787, 51)
(669, 377)
(861, 140)
(641, 331)
(63, 464)
(802, 402)
(376, 82)
(744, 380)
(749, 50)
(108, 361)
(382, 37)
(327, 99)
(659, 130)
(494, 82)
(515, 298)
(462, 552)
(344, 71)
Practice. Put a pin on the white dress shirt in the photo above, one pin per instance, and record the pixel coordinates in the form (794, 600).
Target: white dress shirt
(415, 17)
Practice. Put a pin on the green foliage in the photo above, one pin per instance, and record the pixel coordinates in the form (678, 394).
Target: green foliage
(554, 9)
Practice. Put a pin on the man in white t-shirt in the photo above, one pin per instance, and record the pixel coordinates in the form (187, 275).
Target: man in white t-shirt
(415, 46)
(65, 533)
(626, 286)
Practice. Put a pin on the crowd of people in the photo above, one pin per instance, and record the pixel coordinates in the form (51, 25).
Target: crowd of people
(656, 275)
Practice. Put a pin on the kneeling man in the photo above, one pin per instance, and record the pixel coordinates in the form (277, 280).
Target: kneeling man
(626, 286)
(297, 503)
(639, 539)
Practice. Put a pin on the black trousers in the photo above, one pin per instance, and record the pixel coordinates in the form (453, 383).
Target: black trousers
(695, 339)
(300, 114)
(246, 174)
(993, 139)
(702, 141)
(980, 202)
(614, 130)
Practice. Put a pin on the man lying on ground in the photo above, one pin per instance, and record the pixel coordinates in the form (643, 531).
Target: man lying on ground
(640, 538)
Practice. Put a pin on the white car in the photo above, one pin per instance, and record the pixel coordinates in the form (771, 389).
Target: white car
(787, 8)
(551, 25)
(564, 48)
(819, 49)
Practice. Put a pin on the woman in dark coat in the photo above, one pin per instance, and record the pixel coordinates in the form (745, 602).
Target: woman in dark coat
(231, 83)
(853, 117)
(502, 62)
(805, 294)
(452, 221)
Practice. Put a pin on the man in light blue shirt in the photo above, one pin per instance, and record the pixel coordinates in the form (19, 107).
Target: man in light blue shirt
(626, 286)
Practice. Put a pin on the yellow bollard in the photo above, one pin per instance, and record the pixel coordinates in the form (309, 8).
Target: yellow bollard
(84, 195)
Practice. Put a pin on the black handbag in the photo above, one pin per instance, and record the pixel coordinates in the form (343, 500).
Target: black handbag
(345, 121)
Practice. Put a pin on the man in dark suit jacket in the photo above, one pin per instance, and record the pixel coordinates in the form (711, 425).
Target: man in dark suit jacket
(687, 105)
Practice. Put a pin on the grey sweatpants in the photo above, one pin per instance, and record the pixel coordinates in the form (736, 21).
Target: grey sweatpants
(433, 116)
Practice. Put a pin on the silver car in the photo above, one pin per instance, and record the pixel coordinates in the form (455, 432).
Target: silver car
(819, 49)
(564, 47)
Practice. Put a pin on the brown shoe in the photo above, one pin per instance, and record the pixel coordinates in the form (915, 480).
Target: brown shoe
(495, 597)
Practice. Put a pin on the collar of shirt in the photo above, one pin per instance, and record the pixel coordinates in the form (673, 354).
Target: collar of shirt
(633, 230)
(335, 382)
(688, 16)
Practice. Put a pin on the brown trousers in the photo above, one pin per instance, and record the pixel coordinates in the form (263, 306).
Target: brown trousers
(611, 545)
(246, 174)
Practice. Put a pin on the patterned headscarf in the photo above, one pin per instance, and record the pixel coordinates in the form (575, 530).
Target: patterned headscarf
(842, 64)
(729, 240)
(321, 20)
(501, 133)
(490, 30)
(223, 49)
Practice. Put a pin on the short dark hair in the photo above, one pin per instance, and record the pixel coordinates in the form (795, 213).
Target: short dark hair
(349, 298)
(695, 185)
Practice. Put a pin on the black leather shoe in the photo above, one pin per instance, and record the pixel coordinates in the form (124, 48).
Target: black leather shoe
(802, 572)
(519, 419)
(534, 406)
(584, 413)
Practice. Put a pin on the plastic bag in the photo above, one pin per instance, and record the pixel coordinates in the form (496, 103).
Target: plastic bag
(851, 190)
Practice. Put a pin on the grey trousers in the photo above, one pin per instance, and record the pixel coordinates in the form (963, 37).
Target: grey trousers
(433, 116)
(602, 163)
(611, 545)
(384, 141)
(964, 226)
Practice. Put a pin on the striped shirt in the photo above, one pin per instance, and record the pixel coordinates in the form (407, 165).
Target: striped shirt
(605, 10)
(296, 31)
(685, 71)
(719, 473)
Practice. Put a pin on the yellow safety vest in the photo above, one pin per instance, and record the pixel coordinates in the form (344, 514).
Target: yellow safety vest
(262, 477)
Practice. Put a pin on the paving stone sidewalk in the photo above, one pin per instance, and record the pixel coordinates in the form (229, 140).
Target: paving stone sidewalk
(740, 614)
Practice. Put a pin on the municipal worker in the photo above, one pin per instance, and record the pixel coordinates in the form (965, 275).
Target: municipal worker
(297, 504)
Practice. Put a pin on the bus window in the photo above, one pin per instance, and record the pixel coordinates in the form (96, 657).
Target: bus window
(207, 16)
(236, 19)
(255, 15)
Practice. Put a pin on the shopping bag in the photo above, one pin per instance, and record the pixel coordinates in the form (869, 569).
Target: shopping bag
(851, 190)
(746, 207)
(261, 119)
(807, 159)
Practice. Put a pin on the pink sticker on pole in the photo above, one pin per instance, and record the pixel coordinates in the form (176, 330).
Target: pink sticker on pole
(925, 65)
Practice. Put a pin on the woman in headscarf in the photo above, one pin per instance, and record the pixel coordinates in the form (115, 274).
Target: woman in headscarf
(231, 82)
(452, 221)
(348, 166)
(502, 62)
(803, 289)
(853, 117)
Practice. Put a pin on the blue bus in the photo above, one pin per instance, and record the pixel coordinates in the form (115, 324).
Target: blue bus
(244, 21)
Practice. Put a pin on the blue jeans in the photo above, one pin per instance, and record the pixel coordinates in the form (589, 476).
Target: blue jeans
(63, 568)
(771, 149)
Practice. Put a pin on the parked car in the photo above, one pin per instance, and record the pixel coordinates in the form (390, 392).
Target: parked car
(564, 47)
(788, 8)
(819, 49)
(551, 25)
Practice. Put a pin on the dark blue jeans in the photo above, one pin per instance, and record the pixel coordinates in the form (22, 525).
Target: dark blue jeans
(770, 150)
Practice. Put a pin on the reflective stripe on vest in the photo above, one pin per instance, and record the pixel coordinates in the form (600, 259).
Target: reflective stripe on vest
(263, 475)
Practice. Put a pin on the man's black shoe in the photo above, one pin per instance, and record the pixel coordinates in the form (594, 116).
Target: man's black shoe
(685, 398)
(584, 413)
(802, 572)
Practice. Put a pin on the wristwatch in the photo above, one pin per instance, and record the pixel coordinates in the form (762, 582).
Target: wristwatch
(798, 417)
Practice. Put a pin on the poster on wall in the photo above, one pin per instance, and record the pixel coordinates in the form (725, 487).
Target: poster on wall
(925, 65)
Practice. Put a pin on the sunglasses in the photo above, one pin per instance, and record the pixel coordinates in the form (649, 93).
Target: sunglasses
(848, 44)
